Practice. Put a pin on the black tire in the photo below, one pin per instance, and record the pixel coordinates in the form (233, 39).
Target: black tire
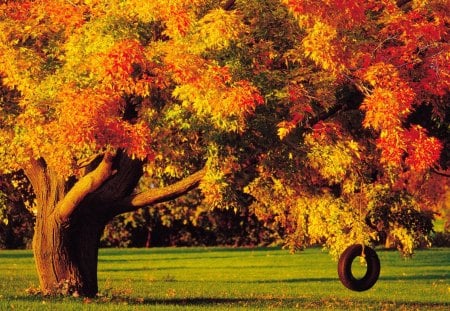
(345, 268)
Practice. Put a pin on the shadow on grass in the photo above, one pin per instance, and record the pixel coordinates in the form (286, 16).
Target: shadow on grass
(15, 254)
(293, 302)
(215, 268)
(184, 250)
(255, 302)
(417, 277)
(164, 259)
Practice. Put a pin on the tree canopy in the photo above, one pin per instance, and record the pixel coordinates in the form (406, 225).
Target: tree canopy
(325, 117)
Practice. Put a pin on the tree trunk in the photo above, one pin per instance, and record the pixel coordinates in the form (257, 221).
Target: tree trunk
(72, 215)
(68, 229)
(66, 255)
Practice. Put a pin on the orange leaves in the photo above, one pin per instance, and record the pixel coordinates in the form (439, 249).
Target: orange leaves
(87, 70)
(411, 147)
(341, 13)
(43, 16)
(211, 92)
(91, 120)
(120, 62)
(125, 68)
(392, 147)
(346, 37)
(178, 21)
(387, 107)
(17, 10)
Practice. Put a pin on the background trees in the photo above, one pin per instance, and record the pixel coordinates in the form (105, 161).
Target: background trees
(16, 211)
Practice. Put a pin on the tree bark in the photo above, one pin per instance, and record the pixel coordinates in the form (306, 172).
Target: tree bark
(66, 255)
(65, 249)
(72, 215)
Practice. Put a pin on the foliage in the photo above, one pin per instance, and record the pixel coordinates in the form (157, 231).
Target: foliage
(16, 211)
(88, 58)
(306, 113)
(345, 159)
(178, 224)
(441, 239)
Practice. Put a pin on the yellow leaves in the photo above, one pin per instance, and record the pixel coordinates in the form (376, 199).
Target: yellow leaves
(211, 93)
(12, 158)
(382, 75)
(215, 31)
(274, 200)
(146, 11)
(213, 187)
(172, 171)
(21, 68)
(321, 45)
(214, 184)
(284, 128)
(178, 16)
(333, 161)
(308, 218)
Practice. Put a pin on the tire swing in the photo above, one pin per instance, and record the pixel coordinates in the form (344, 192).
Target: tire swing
(345, 268)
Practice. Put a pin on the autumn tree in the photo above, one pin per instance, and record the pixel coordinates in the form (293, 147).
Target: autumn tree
(110, 90)
(304, 111)
(368, 99)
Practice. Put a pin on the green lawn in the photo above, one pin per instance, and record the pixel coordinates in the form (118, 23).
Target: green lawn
(224, 279)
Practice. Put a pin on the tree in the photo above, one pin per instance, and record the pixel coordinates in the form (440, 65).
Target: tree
(368, 99)
(108, 90)
(303, 120)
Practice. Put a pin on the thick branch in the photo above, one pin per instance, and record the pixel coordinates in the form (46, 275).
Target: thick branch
(159, 195)
(229, 5)
(402, 2)
(87, 184)
(47, 185)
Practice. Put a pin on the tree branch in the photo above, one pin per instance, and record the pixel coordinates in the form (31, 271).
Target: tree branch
(401, 3)
(87, 184)
(440, 173)
(229, 5)
(159, 195)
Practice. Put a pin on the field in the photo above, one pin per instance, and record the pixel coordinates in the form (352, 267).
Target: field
(227, 279)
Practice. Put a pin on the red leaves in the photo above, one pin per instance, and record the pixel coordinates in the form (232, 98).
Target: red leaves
(411, 147)
(124, 65)
(247, 96)
(47, 15)
(392, 147)
(351, 13)
(17, 10)
(422, 151)
(327, 130)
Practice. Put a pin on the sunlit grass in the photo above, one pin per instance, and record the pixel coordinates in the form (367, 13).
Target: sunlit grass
(224, 279)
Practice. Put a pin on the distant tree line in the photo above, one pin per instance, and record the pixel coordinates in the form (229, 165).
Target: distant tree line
(164, 225)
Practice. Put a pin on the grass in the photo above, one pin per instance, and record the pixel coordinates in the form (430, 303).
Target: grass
(228, 279)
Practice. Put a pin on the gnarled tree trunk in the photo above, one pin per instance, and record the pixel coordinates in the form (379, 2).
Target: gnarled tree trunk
(66, 255)
(72, 215)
